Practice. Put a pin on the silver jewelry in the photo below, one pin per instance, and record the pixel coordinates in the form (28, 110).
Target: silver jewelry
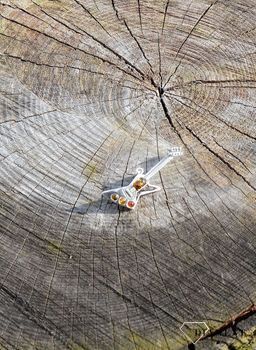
(128, 196)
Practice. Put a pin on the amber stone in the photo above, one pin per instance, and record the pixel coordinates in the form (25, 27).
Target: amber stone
(122, 201)
(114, 197)
(138, 184)
(131, 204)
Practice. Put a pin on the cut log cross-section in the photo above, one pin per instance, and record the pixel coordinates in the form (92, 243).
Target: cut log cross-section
(91, 91)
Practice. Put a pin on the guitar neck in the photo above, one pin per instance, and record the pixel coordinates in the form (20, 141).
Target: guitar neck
(172, 153)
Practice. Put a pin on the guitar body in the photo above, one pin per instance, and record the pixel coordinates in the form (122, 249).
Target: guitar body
(128, 196)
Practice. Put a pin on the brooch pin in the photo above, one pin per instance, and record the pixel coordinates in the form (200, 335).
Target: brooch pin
(128, 196)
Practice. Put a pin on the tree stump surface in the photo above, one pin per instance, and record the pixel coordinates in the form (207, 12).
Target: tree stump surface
(90, 91)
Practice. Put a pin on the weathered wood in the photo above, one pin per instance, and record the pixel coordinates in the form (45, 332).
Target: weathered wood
(91, 90)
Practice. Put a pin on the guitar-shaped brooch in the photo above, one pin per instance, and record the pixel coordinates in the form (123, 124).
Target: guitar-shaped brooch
(128, 196)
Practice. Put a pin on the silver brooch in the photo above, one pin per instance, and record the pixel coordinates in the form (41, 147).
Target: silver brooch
(128, 196)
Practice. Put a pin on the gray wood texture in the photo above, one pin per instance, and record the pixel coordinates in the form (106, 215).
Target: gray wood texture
(91, 90)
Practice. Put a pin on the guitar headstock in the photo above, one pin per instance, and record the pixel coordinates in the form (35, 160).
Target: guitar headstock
(175, 151)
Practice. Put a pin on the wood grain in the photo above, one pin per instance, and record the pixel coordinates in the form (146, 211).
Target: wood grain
(91, 90)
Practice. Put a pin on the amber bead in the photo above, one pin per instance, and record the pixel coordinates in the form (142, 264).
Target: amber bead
(114, 197)
(122, 201)
(138, 184)
(131, 204)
